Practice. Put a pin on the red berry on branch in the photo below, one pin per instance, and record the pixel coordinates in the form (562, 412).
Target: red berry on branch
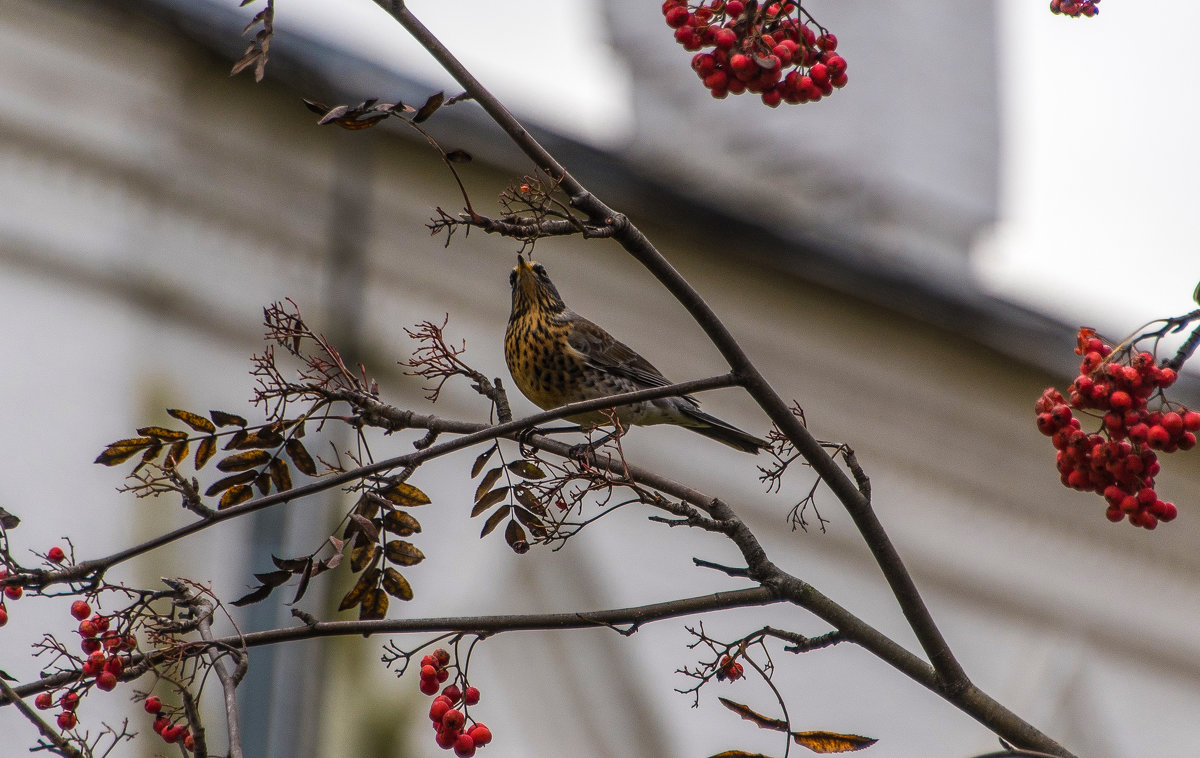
(69, 701)
(152, 705)
(446, 739)
(438, 709)
(677, 16)
(481, 734)
(471, 695)
(44, 701)
(67, 720)
(827, 42)
(87, 628)
(89, 645)
(429, 686)
(734, 8)
(441, 656)
(3, 615)
(80, 609)
(452, 693)
(106, 681)
(161, 724)
(464, 746)
(56, 554)
(14, 591)
(453, 720)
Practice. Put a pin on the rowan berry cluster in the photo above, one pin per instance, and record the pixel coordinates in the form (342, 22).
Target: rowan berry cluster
(449, 721)
(165, 727)
(769, 49)
(1075, 8)
(15, 591)
(1118, 461)
(729, 669)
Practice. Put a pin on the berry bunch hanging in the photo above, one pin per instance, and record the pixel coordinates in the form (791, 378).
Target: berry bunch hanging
(1074, 8)
(1124, 387)
(448, 709)
(775, 50)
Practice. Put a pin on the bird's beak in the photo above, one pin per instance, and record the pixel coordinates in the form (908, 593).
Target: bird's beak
(521, 264)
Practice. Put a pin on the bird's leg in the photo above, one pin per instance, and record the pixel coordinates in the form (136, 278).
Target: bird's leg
(523, 437)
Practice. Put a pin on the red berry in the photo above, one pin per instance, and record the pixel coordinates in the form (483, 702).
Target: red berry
(189, 742)
(735, 7)
(67, 720)
(80, 609)
(428, 660)
(827, 42)
(160, 724)
(101, 622)
(452, 693)
(428, 672)
(481, 734)
(464, 746)
(725, 39)
(56, 554)
(106, 681)
(44, 701)
(446, 738)
(471, 695)
(442, 675)
(152, 705)
(429, 686)
(69, 701)
(1166, 377)
(453, 720)
(1114, 514)
(677, 16)
(172, 733)
(87, 628)
(772, 98)
(115, 665)
(3, 615)
(89, 645)
(1158, 437)
(438, 709)
(1173, 423)
(13, 592)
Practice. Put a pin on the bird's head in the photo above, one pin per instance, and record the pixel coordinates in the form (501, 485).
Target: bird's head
(532, 289)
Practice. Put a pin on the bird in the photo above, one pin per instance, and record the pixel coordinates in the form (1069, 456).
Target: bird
(558, 357)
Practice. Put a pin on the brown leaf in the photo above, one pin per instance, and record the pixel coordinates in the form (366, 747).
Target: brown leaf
(300, 457)
(305, 575)
(494, 520)
(404, 494)
(122, 450)
(263, 482)
(361, 555)
(237, 439)
(458, 156)
(481, 461)
(738, 754)
(526, 498)
(531, 520)
(178, 453)
(292, 565)
(258, 593)
(526, 470)
(832, 742)
(401, 524)
(194, 420)
(368, 505)
(229, 481)
(432, 104)
(486, 483)
(514, 535)
(764, 722)
(205, 451)
(162, 433)
(374, 605)
(7, 520)
(239, 493)
(333, 114)
(221, 418)
(280, 474)
(245, 460)
(366, 526)
(365, 583)
(488, 500)
(396, 585)
(315, 107)
(403, 553)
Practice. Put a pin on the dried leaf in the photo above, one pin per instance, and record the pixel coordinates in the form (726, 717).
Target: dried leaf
(365, 583)
(403, 553)
(514, 535)
(194, 420)
(150, 454)
(205, 451)
(532, 521)
(162, 433)
(486, 483)
(362, 555)
(300, 457)
(488, 500)
(258, 593)
(526, 498)
(244, 460)
(368, 505)
(374, 605)
(401, 524)
(482, 460)
(764, 722)
(236, 494)
(458, 156)
(229, 481)
(178, 453)
(405, 495)
(280, 475)
(8, 520)
(263, 482)
(396, 585)
(526, 470)
(333, 114)
(274, 578)
(256, 439)
(738, 754)
(292, 565)
(832, 742)
(494, 521)
(122, 450)
(221, 418)
(366, 526)
(304, 577)
(237, 439)
(432, 104)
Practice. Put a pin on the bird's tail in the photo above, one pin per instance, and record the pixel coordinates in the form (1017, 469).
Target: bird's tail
(715, 428)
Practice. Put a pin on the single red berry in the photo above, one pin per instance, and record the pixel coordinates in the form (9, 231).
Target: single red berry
(80, 609)
(69, 701)
(152, 705)
(677, 16)
(115, 665)
(1158, 437)
(1187, 441)
(452, 693)
(441, 656)
(172, 734)
(428, 672)
(161, 724)
(429, 686)
(1166, 377)
(453, 720)
(189, 742)
(1114, 514)
(827, 42)
(1119, 401)
(56, 554)
(1173, 423)
(101, 622)
(87, 628)
(471, 695)
(442, 675)
(481, 734)
(446, 738)
(89, 645)
(735, 7)
(3, 615)
(464, 746)
(772, 98)
(14, 591)
(67, 720)
(106, 681)
(438, 709)
(725, 39)
(44, 701)
(1166, 511)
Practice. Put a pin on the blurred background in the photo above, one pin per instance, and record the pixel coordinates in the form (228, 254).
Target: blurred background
(909, 260)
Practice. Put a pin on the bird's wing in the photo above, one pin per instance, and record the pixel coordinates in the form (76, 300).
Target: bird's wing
(604, 352)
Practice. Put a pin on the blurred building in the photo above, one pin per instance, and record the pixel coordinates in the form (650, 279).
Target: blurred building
(150, 206)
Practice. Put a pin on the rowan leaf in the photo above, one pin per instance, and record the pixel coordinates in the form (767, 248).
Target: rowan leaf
(482, 460)
(396, 585)
(221, 418)
(494, 520)
(194, 420)
(832, 742)
(374, 605)
(223, 484)
(514, 535)
(239, 493)
(122, 450)
(526, 498)
(8, 520)
(526, 470)
(300, 457)
(205, 451)
(764, 722)
(305, 575)
(361, 555)
(486, 483)
(401, 524)
(281, 475)
(178, 453)
(365, 583)
(162, 433)
(531, 520)
(403, 553)
(405, 495)
(258, 593)
(488, 500)
(431, 105)
(244, 460)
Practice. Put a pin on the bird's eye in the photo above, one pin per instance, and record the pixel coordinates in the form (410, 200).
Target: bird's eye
(540, 270)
